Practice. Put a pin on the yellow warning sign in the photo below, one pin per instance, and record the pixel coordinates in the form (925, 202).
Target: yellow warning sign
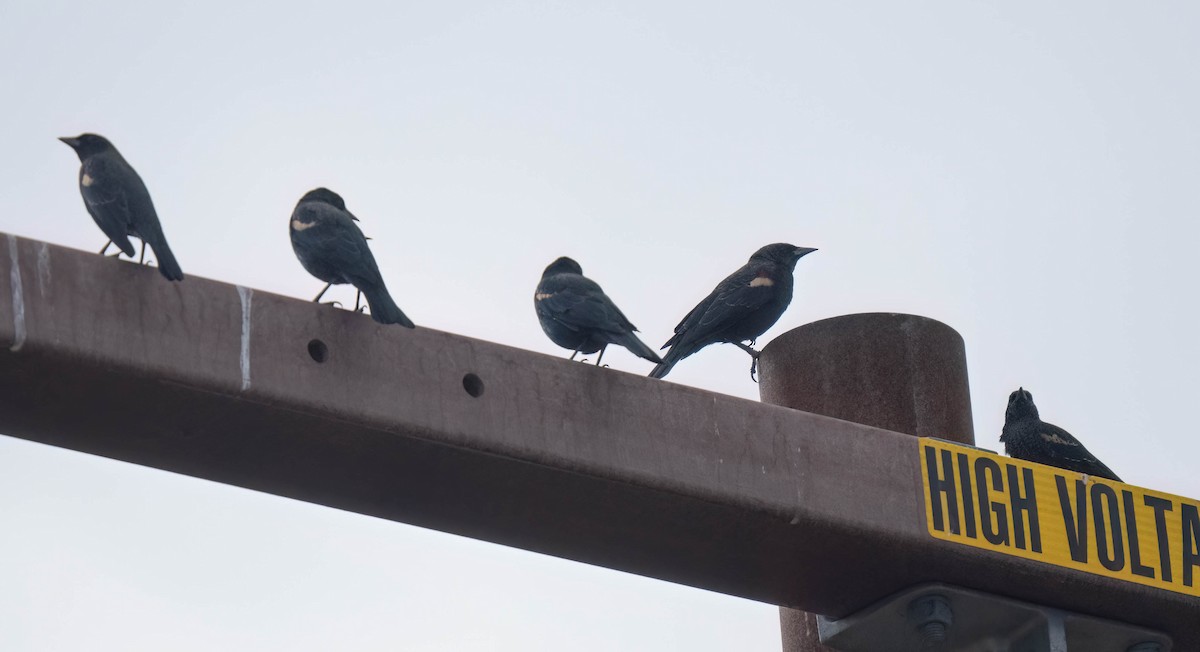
(1061, 517)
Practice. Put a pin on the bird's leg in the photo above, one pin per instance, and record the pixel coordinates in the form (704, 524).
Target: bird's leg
(322, 293)
(748, 349)
(601, 356)
(106, 246)
(574, 353)
(357, 300)
(753, 356)
(142, 258)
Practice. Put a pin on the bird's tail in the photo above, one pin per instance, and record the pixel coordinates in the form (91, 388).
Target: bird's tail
(663, 368)
(167, 265)
(638, 347)
(1106, 472)
(673, 356)
(383, 309)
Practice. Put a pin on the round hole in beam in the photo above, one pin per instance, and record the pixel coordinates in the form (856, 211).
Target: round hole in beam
(473, 384)
(317, 350)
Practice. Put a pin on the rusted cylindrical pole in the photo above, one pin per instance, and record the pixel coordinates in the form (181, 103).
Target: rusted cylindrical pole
(898, 372)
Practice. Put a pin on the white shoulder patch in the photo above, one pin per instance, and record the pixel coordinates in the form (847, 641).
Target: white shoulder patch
(761, 281)
(1055, 439)
(542, 295)
(86, 180)
(300, 226)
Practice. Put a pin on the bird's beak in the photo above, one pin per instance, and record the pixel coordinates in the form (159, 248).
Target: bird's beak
(72, 142)
(801, 252)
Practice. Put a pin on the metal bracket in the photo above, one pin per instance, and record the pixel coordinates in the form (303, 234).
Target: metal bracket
(942, 617)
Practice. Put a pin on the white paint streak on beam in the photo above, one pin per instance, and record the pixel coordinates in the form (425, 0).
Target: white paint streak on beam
(18, 296)
(247, 297)
(43, 267)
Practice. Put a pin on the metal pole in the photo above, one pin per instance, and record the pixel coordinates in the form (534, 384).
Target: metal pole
(898, 372)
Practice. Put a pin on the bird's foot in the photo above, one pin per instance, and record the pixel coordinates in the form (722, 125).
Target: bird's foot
(335, 304)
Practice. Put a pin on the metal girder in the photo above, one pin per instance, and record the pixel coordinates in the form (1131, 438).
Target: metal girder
(483, 440)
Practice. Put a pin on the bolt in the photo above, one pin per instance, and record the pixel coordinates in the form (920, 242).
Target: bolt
(931, 633)
(1148, 646)
(931, 616)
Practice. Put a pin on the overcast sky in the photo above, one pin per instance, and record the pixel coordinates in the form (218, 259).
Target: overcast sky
(1024, 171)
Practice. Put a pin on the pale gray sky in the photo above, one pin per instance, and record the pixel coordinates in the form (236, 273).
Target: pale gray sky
(1025, 172)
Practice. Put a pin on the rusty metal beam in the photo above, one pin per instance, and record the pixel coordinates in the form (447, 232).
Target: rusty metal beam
(487, 441)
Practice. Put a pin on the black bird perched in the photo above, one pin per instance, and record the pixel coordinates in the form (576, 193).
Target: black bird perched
(119, 202)
(332, 248)
(1027, 437)
(741, 308)
(577, 315)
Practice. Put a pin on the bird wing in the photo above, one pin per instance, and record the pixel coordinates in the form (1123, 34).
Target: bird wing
(341, 244)
(580, 304)
(341, 237)
(1063, 445)
(731, 300)
(106, 200)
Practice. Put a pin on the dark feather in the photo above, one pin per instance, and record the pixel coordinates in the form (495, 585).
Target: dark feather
(1027, 437)
(332, 248)
(576, 314)
(741, 308)
(119, 202)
